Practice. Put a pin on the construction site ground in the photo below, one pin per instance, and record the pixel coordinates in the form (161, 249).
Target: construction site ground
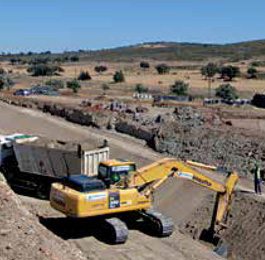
(187, 204)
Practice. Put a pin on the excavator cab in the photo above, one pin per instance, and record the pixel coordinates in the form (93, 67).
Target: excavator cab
(114, 171)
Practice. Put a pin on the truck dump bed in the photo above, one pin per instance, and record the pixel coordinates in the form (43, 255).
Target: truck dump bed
(57, 158)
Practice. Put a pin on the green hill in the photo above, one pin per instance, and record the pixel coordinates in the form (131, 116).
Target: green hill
(171, 51)
(181, 51)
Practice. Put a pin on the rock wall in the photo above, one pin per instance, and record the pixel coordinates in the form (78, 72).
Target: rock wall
(137, 130)
(99, 119)
(186, 133)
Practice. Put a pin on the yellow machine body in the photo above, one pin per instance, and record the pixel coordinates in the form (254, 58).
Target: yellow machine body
(76, 204)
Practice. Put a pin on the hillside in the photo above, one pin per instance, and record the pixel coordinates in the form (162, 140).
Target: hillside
(181, 51)
(165, 51)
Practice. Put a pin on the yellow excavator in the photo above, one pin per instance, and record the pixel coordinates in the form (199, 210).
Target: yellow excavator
(120, 188)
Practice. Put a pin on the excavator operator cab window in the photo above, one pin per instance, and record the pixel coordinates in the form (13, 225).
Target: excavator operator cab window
(113, 174)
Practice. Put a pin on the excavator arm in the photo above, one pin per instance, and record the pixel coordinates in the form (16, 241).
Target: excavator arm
(149, 178)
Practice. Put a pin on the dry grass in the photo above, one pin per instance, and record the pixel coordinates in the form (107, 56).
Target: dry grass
(135, 75)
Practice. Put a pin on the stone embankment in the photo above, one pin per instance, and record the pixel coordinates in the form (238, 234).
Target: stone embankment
(186, 133)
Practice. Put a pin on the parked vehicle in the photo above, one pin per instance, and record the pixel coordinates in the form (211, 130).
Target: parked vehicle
(44, 90)
(22, 92)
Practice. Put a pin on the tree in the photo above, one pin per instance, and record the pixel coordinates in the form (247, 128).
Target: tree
(139, 88)
(105, 87)
(55, 83)
(162, 69)
(6, 82)
(44, 70)
(100, 69)
(229, 72)
(118, 77)
(74, 85)
(84, 75)
(227, 92)
(252, 73)
(2, 84)
(2, 71)
(74, 58)
(144, 65)
(179, 88)
(209, 72)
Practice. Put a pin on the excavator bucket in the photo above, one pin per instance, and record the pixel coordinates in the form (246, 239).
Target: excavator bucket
(224, 200)
(220, 213)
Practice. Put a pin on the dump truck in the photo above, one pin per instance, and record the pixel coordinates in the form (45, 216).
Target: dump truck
(33, 162)
(120, 188)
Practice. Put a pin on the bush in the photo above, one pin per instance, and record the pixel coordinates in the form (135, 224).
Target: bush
(44, 70)
(229, 72)
(40, 60)
(179, 88)
(227, 92)
(2, 71)
(105, 87)
(74, 58)
(14, 61)
(84, 75)
(252, 73)
(162, 69)
(118, 77)
(144, 65)
(139, 88)
(258, 63)
(2, 84)
(100, 69)
(55, 83)
(6, 82)
(74, 85)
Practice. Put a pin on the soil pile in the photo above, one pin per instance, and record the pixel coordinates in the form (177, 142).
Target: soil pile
(246, 225)
(22, 237)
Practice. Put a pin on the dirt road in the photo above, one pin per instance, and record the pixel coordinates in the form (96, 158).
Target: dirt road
(174, 199)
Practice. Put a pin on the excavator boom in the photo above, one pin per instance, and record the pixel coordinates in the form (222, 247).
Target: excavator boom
(160, 169)
(154, 175)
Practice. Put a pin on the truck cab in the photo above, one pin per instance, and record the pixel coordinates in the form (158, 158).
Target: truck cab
(6, 146)
(6, 149)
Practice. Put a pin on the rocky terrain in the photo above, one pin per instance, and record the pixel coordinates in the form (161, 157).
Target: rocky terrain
(197, 134)
(189, 205)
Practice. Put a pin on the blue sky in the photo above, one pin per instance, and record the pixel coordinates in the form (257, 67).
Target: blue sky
(60, 25)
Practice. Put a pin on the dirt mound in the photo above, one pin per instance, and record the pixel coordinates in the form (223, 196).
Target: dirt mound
(246, 225)
(22, 237)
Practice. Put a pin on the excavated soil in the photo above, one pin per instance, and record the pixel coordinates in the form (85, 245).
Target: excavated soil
(23, 237)
(246, 225)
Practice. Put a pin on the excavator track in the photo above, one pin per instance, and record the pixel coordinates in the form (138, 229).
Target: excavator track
(118, 230)
(162, 226)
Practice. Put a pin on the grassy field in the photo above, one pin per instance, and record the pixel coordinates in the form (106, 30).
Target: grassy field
(135, 75)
